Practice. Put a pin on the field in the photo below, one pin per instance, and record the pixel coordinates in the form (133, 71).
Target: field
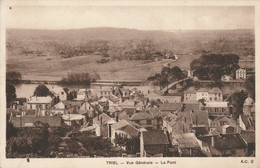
(41, 68)
(44, 69)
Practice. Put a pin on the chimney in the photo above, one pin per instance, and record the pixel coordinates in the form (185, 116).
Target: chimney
(165, 130)
(101, 120)
(116, 117)
(196, 120)
(212, 141)
(237, 125)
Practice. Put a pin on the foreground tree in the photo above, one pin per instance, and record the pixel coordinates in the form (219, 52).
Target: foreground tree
(214, 66)
(237, 100)
(13, 76)
(10, 93)
(250, 86)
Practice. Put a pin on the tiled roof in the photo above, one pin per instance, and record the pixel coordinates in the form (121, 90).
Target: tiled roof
(229, 141)
(185, 117)
(130, 130)
(202, 117)
(249, 101)
(202, 90)
(119, 124)
(188, 107)
(128, 103)
(142, 116)
(155, 138)
(139, 104)
(249, 136)
(179, 127)
(247, 121)
(199, 117)
(53, 121)
(187, 140)
(191, 102)
(105, 119)
(170, 106)
(215, 90)
(37, 99)
(126, 126)
(191, 90)
(217, 104)
(122, 115)
(129, 111)
(73, 117)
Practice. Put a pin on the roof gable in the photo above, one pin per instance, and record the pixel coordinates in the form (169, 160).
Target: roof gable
(155, 138)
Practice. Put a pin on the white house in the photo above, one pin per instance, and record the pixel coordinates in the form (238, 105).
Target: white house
(139, 106)
(63, 107)
(102, 123)
(81, 94)
(202, 93)
(241, 74)
(126, 129)
(74, 119)
(42, 105)
(215, 94)
(248, 105)
(59, 92)
(190, 94)
(226, 78)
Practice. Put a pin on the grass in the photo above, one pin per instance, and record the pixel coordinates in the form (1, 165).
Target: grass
(54, 68)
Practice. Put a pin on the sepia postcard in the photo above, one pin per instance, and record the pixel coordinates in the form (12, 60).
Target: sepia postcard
(129, 83)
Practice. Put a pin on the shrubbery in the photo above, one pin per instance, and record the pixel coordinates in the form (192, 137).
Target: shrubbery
(79, 78)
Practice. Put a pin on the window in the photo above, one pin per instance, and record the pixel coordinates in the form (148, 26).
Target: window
(165, 148)
(222, 123)
(148, 122)
(30, 106)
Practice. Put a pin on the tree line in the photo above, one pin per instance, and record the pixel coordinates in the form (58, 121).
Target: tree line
(214, 66)
(79, 79)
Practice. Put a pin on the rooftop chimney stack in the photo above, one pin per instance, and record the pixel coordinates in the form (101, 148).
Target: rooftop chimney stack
(212, 141)
(196, 120)
(116, 117)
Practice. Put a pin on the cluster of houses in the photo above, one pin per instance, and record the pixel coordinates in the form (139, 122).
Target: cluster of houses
(199, 123)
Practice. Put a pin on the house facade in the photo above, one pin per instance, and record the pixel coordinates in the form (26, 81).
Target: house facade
(190, 94)
(42, 105)
(154, 143)
(241, 74)
(147, 120)
(226, 78)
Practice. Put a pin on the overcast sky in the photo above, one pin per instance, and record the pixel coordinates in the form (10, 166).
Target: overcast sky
(144, 18)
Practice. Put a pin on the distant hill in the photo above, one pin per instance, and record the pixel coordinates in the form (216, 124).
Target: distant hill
(105, 33)
(44, 52)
